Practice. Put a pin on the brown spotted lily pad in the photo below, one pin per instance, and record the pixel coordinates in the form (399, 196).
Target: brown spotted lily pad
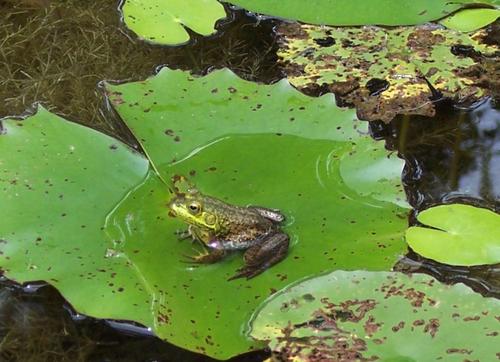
(379, 316)
(386, 72)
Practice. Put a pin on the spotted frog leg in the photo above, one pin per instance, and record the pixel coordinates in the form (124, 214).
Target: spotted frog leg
(260, 257)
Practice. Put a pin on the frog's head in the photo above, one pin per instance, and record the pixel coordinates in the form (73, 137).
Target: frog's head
(192, 208)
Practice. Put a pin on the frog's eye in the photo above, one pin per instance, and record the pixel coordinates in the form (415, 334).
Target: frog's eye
(194, 208)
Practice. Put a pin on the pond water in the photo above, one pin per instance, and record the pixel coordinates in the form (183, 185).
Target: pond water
(56, 52)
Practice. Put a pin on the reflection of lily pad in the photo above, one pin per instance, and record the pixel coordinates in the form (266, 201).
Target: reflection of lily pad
(460, 235)
(357, 12)
(368, 316)
(384, 72)
(164, 22)
(258, 144)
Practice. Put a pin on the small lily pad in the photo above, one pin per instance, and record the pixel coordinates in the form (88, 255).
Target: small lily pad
(378, 316)
(385, 72)
(457, 235)
(164, 22)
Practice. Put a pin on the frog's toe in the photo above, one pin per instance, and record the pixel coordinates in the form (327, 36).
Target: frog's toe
(206, 256)
(248, 272)
(182, 234)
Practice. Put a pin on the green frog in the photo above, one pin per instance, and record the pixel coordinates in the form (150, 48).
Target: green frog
(222, 227)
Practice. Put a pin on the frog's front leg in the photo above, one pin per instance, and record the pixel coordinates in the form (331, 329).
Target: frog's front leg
(208, 256)
(260, 257)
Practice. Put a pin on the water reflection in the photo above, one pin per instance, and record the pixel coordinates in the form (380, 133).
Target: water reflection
(453, 157)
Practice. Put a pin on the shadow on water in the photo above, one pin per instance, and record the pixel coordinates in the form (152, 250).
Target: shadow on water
(57, 51)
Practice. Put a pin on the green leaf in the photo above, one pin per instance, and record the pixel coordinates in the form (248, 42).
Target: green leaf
(357, 12)
(347, 316)
(247, 143)
(384, 72)
(461, 235)
(471, 19)
(58, 182)
(82, 212)
(164, 22)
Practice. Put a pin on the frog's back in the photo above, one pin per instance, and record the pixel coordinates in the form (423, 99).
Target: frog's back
(239, 227)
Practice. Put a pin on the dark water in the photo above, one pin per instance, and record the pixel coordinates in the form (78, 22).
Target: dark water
(454, 156)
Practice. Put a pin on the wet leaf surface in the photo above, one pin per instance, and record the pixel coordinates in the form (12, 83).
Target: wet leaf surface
(358, 12)
(368, 316)
(164, 22)
(386, 72)
(457, 235)
(250, 144)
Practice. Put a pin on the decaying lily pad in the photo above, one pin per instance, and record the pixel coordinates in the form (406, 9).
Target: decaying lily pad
(379, 316)
(385, 72)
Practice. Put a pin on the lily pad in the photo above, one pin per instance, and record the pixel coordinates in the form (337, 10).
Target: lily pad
(358, 12)
(58, 181)
(471, 19)
(85, 213)
(257, 144)
(385, 72)
(460, 235)
(164, 22)
(368, 316)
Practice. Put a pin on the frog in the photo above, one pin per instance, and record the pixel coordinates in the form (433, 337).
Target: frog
(221, 228)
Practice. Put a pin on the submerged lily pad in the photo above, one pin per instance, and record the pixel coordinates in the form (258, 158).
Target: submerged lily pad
(460, 235)
(358, 12)
(164, 22)
(385, 72)
(368, 316)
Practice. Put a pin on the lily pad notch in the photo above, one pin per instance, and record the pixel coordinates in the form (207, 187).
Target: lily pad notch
(165, 22)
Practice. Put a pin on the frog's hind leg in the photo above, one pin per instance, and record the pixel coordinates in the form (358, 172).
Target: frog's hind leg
(260, 257)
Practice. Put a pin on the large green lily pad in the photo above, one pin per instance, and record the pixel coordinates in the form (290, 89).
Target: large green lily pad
(459, 235)
(385, 72)
(165, 21)
(358, 12)
(81, 211)
(368, 316)
(250, 144)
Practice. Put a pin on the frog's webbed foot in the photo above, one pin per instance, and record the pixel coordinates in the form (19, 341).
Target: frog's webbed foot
(260, 257)
(207, 256)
